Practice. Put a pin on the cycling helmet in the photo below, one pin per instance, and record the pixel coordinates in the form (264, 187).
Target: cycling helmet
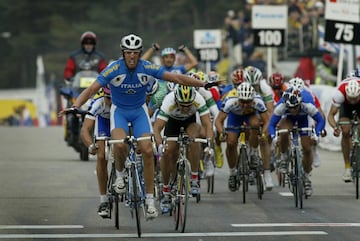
(193, 75)
(88, 37)
(292, 97)
(252, 75)
(354, 73)
(131, 42)
(170, 86)
(352, 88)
(237, 77)
(184, 94)
(167, 51)
(245, 91)
(213, 77)
(276, 80)
(202, 76)
(297, 83)
(106, 90)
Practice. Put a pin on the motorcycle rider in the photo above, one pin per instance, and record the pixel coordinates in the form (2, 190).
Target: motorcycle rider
(85, 58)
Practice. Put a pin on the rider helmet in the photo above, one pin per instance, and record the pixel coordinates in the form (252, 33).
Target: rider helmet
(354, 73)
(167, 51)
(88, 37)
(184, 94)
(131, 42)
(352, 88)
(245, 91)
(297, 83)
(252, 75)
(237, 77)
(292, 97)
(170, 85)
(153, 86)
(202, 76)
(276, 80)
(214, 77)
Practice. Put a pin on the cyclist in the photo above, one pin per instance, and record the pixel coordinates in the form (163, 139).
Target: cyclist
(276, 81)
(85, 58)
(289, 111)
(309, 96)
(254, 76)
(214, 110)
(168, 58)
(179, 109)
(97, 122)
(244, 107)
(346, 99)
(129, 78)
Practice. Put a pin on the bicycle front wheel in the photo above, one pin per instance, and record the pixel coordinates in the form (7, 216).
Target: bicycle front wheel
(299, 180)
(136, 200)
(182, 196)
(244, 171)
(259, 182)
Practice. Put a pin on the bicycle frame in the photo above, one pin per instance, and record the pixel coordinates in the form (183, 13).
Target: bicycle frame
(180, 184)
(296, 171)
(135, 186)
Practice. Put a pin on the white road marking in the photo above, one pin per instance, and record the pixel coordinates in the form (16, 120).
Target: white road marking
(158, 235)
(286, 194)
(40, 226)
(247, 225)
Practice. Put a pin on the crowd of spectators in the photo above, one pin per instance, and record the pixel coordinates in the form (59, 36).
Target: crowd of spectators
(304, 18)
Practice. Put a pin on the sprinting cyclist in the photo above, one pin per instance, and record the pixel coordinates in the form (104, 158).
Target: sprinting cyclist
(97, 122)
(129, 78)
(245, 107)
(276, 81)
(292, 110)
(179, 110)
(346, 99)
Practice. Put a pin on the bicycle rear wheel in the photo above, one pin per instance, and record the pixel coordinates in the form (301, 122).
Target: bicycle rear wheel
(210, 184)
(244, 171)
(355, 168)
(259, 181)
(299, 180)
(182, 196)
(136, 201)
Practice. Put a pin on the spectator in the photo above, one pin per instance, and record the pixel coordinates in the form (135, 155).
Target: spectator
(325, 71)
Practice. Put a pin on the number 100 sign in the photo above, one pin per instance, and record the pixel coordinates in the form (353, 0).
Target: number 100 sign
(269, 37)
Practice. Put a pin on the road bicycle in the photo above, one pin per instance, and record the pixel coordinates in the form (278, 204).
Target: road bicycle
(295, 172)
(204, 161)
(180, 184)
(248, 171)
(355, 151)
(135, 194)
(112, 195)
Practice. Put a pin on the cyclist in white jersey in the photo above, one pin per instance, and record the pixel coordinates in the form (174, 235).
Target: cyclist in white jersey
(179, 109)
(129, 79)
(97, 122)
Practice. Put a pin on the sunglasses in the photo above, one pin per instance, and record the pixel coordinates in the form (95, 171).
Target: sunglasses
(132, 52)
(185, 105)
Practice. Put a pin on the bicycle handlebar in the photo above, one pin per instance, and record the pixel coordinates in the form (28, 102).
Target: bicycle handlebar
(131, 139)
(286, 130)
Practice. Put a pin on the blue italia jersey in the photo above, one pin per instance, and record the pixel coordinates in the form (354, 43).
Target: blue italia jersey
(129, 87)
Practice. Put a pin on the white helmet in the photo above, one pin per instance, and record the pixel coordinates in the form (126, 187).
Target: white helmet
(245, 91)
(167, 51)
(170, 85)
(352, 88)
(131, 42)
(152, 87)
(252, 75)
(297, 83)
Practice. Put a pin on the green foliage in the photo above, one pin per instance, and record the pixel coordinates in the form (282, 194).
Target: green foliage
(52, 28)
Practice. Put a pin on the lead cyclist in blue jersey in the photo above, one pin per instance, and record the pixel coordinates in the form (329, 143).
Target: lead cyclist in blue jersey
(129, 79)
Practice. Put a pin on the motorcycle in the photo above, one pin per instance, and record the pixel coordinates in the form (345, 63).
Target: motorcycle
(73, 121)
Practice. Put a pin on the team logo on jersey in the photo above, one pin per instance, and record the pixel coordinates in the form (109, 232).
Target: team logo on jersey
(118, 80)
(130, 91)
(144, 78)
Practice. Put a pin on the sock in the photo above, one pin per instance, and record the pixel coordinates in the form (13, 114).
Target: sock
(104, 199)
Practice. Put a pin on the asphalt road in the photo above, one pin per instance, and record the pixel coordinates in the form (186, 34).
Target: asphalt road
(47, 193)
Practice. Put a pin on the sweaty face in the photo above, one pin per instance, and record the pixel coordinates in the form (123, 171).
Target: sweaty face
(169, 60)
(131, 58)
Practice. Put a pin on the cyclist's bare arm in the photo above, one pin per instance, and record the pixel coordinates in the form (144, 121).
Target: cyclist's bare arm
(219, 121)
(86, 130)
(206, 123)
(158, 126)
(148, 53)
(331, 116)
(192, 61)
